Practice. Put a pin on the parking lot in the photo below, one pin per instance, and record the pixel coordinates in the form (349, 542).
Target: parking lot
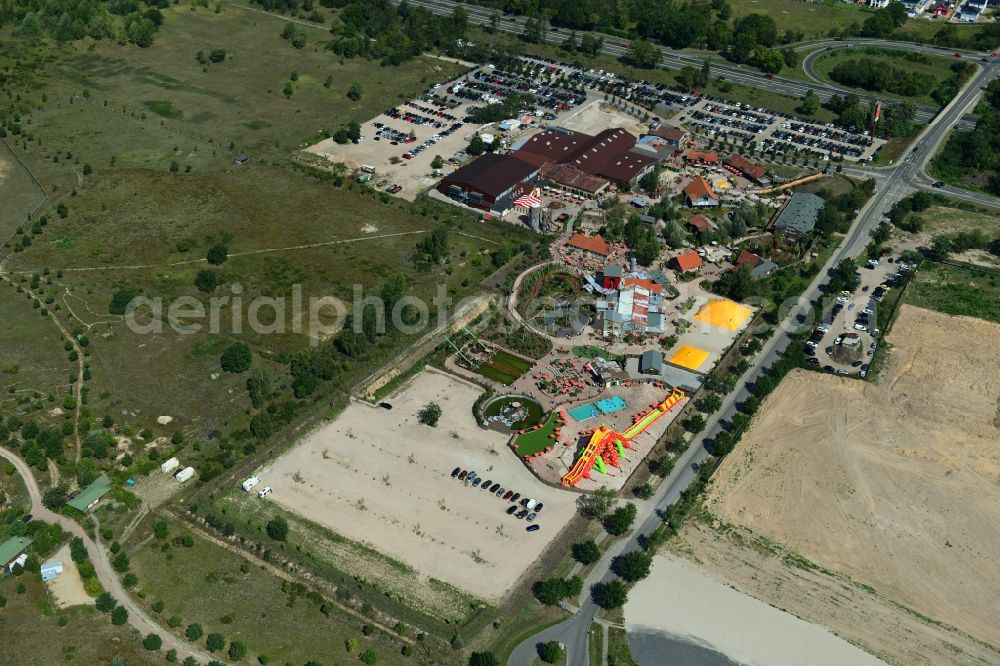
(774, 131)
(846, 339)
(379, 477)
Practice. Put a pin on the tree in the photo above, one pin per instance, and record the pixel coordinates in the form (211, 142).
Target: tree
(620, 520)
(644, 492)
(612, 594)
(354, 92)
(105, 602)
(217, 254)
(586, 552)
(643, 53)
(437, 162)
(476, 145)
(207, 280)
(633, 566)
(236, 358)
(120, 563)
(369, 657)
(215, 642)
(277, 529)
(152, 642)
(694, 423)
(78, 550)
(597, 504)
(237, 650)
(550, 652)
(430, 414)
(194, 632)
(810, 104)
(54, 498)
(483, 659)
(160, 529)
(119, 616)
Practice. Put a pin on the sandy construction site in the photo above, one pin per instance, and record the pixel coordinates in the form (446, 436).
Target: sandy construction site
(895, 486)
(379, 477)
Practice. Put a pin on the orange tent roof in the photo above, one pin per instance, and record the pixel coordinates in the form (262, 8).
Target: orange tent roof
(595, 244)
(688, 261)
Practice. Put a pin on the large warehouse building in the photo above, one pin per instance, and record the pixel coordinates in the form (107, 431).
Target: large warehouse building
(573, 161)
(490, 183)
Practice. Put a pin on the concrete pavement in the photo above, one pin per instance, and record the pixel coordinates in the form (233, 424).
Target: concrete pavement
(137, 616)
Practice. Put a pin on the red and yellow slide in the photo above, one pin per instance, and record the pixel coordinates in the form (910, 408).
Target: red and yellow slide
(604, 438)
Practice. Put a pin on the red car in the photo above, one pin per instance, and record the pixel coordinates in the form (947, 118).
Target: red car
(407, 156)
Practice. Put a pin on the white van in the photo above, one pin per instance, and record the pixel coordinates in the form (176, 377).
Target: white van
(250, 483)
(264, 492)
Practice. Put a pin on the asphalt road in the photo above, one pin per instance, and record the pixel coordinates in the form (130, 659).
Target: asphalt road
(615, 47)
(137, 616)
(893, 183)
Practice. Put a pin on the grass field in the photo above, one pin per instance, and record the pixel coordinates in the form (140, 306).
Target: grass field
(20, 193)
(32, 360)
(31, 633)
(956, 290)
(596, 645)
(618, 650)
(932, 69)
(534, 441)
(403, 592)
(130, 114)
(505, 368)
(205, 584)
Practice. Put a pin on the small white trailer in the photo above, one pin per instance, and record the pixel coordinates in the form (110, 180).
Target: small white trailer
(169, 466)
(250, 483)
(184, 474)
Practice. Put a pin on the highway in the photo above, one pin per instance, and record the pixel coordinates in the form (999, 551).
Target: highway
(893, 183)
(671, 59)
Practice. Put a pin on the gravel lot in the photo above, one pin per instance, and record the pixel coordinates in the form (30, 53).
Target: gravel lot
(379, 477)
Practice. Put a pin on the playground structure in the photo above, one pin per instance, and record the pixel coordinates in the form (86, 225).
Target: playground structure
(606, 446)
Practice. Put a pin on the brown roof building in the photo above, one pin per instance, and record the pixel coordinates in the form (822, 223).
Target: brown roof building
(698, 193)
(688, 261)
(754, 172)
(699, 157)
(676, 137)
(593, 244)
(553, 146)
(701, 224)
(572, 179)
(491, 182)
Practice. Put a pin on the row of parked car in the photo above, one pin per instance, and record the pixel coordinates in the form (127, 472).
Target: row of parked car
(529, 508)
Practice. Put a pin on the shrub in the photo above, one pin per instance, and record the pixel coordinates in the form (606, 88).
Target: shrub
(215, 642)
(152, 642)
(236, 358)
(119, 615)
(237, 650)
(550, 652)
(277, 529)
(194, 632)
(586, 552)
(217, 254)
(369, 657)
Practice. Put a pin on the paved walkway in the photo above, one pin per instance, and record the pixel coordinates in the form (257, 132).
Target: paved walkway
(137, 616)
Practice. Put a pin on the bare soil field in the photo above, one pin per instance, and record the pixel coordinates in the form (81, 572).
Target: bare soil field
(67, 589)
(379, 477)
(894, 485)
(595, 117)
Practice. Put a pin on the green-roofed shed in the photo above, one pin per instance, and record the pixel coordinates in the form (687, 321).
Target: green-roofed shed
(92, 494)
(798, 217)
(12, 548)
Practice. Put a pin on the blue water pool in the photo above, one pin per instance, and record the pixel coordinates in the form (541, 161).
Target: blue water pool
(594, 409)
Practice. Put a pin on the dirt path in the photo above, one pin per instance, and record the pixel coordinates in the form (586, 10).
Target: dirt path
(137, 616)
(267, 250)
